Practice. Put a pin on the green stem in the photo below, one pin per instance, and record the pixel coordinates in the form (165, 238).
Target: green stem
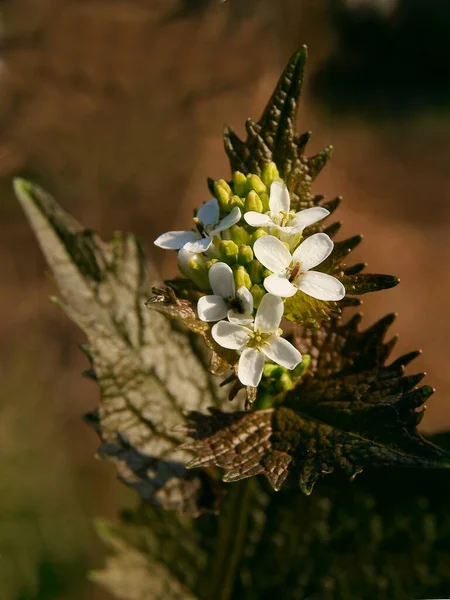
(232, 535)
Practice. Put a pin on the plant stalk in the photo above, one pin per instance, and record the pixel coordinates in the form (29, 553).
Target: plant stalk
(233, 525)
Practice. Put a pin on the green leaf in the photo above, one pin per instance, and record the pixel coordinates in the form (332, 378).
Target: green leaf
(350, 411)
(156, 557)
(149, 370)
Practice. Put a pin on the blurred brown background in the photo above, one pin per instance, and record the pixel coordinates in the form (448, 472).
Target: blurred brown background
(116, 107)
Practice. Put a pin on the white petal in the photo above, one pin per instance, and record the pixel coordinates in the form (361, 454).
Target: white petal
(230, 335)
(231, 219)
(278, 285)
(221, 279)
(321, 286)
(200, 245)
(269, 313)
(250, 367)
(175, 240)
(272, 253)
(209, 212)
(279, 200)
(246, 300)
(212, 308)
(282, 352)
(313, 251)
(308, 217)
(238, 318)
(256, 219)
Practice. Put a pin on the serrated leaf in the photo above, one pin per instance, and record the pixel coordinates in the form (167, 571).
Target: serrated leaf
(149, 371)
(350, 411)
(138, 569)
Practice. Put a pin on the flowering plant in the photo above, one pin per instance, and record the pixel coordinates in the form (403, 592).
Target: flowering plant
(258, 307)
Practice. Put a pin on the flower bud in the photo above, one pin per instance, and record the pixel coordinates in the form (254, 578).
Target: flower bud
(194, 267)
(285, 383)
(272, 370)
(265, 201)
(228, 251)
(245, 254)
(255, 270)
(242, 278)
(256, 184)
(238, 235)
(269, 174)
(253, 202)
(210, 263)
(257, 292)
(240, 185)
(256, 235)
(235, 201)
(223, 194)
(301, 369)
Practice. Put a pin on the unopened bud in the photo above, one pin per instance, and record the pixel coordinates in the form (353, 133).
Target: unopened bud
(210, 263)
(238, 235)
(271, 370)
(256, 184)
(253, 202)
(242, 278)
(256, 235)
(240, 186)
(285, 383)
(301, 369)
(236, 201)
(194, 267)
(245, 254)
(223, 194)
(265, 201)
(255, 270)
(269, 174)
(257, 292)
(228, 251)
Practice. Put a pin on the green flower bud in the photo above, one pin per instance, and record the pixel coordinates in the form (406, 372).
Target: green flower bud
(242, 278)
(235, 201)
(245, 254)
(228, 251)
(223, 194)
(265, 201)
(256, 184)
(253, 202)
(240, 185)
(271, 370)
(285, 383)
(256, 235)
(195, 269)
(238, 235)
(266, 273)
(269, 174)
(301, 369)
(210, 263)
(255, 270)
(257, 292)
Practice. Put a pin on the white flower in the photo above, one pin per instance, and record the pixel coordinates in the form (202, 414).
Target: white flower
(225, 301)
(292, 272)
(258, 342)
(207, 225)
(280, 217)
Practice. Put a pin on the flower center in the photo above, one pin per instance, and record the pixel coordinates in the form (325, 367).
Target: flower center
(203, 230)
(284, 218)
(293, 271)
(258, 339)
(235, 304)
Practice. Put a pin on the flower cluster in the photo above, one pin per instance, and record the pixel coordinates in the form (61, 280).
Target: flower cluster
(246, 254)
